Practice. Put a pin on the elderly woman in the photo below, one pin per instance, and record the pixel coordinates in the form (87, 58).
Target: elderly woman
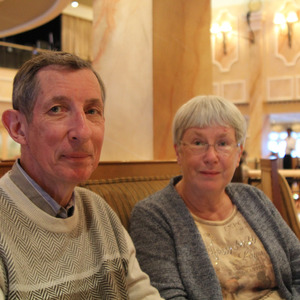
(202, 237)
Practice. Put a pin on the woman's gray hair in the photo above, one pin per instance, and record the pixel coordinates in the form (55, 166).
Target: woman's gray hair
(206, 111)
(26, 83)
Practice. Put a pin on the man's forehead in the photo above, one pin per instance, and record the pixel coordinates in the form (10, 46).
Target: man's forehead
(60, 88)
(61, 68)
(50, 74)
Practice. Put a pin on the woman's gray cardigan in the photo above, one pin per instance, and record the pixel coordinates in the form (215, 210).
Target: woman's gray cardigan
(170, 248)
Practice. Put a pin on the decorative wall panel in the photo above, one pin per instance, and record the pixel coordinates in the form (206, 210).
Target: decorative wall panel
(216, 89)
(234, 91)
(280, 88)
(297, 87)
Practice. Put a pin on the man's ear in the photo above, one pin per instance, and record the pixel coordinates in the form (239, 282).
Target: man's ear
(15, 123)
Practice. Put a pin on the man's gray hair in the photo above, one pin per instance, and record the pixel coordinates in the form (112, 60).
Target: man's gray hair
(26, 84)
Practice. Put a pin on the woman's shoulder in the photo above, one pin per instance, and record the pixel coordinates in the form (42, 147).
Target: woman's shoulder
(163, 196)
(235, 187)
(165, 203)
(246, 194)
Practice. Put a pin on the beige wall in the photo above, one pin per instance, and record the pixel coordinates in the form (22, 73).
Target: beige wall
(7, 146)
(122, 50)
(259, 80)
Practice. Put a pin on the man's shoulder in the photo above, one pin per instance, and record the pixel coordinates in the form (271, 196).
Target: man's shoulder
(93, 204)
(90, 198)
(7, 186)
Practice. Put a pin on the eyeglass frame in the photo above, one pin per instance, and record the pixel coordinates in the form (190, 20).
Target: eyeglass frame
(200, 151)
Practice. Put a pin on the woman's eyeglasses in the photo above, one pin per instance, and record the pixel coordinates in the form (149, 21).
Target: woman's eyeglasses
(222, 148)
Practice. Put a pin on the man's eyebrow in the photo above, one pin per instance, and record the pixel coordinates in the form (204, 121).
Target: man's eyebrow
(59, 99)
(95, 101)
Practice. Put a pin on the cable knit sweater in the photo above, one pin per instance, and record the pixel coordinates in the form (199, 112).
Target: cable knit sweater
(171, 250)
(86, 256)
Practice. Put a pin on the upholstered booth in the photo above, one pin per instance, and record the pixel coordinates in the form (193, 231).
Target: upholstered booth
(122, 184)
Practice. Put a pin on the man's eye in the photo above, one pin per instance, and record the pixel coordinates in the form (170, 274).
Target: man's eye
(94, 111)
(55, 109)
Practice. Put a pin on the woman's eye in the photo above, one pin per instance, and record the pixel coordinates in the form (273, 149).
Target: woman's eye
(223, 144)
(198, 143)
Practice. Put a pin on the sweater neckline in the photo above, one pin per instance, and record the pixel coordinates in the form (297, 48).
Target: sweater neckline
(34, 213)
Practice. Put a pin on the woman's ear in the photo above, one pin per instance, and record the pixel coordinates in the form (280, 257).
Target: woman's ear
(240, 154)
(15, 124)
(177, 151)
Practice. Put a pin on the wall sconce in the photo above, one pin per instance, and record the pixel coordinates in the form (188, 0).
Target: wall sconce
(286, 21)
(224, 40)
(224, 29)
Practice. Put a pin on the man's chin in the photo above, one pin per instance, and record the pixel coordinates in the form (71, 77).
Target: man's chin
(79, 176)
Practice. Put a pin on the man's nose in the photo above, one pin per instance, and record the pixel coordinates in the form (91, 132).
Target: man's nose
(80, 129)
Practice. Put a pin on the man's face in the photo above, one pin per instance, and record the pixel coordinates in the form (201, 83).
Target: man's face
(63, 141)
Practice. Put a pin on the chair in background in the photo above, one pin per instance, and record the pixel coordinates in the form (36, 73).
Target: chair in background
(270, 181)
(289, 210)
(276, 187)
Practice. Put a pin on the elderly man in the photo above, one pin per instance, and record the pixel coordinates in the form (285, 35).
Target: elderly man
(59, 241)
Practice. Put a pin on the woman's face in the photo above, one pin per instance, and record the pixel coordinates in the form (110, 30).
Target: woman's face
(208, 167)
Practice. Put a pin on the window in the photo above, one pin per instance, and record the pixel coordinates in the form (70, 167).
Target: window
(276, 143)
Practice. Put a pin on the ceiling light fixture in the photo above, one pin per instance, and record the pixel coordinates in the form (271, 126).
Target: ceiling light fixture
(74, 4)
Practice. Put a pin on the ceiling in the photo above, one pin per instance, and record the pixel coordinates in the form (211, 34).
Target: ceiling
(17, 16)
(86, 2)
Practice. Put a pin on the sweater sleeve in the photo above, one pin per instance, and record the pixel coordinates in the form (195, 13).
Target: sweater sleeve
(139, 286)
(291, 246)
(279, 240)
(2, 281)
(156, 251)
(1, 295)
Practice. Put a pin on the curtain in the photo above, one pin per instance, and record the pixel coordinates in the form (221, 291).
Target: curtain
(77, 36)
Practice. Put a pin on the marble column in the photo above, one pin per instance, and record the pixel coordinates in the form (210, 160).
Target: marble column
(122, 50)
(182, 63)
(256, 97)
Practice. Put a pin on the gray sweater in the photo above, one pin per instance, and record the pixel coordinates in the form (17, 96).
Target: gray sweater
(171, 251)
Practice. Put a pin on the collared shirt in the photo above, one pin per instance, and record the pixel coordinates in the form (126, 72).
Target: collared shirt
(290, 145)
(37, 195)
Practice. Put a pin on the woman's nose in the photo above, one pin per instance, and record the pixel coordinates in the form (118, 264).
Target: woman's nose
(210, 153)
